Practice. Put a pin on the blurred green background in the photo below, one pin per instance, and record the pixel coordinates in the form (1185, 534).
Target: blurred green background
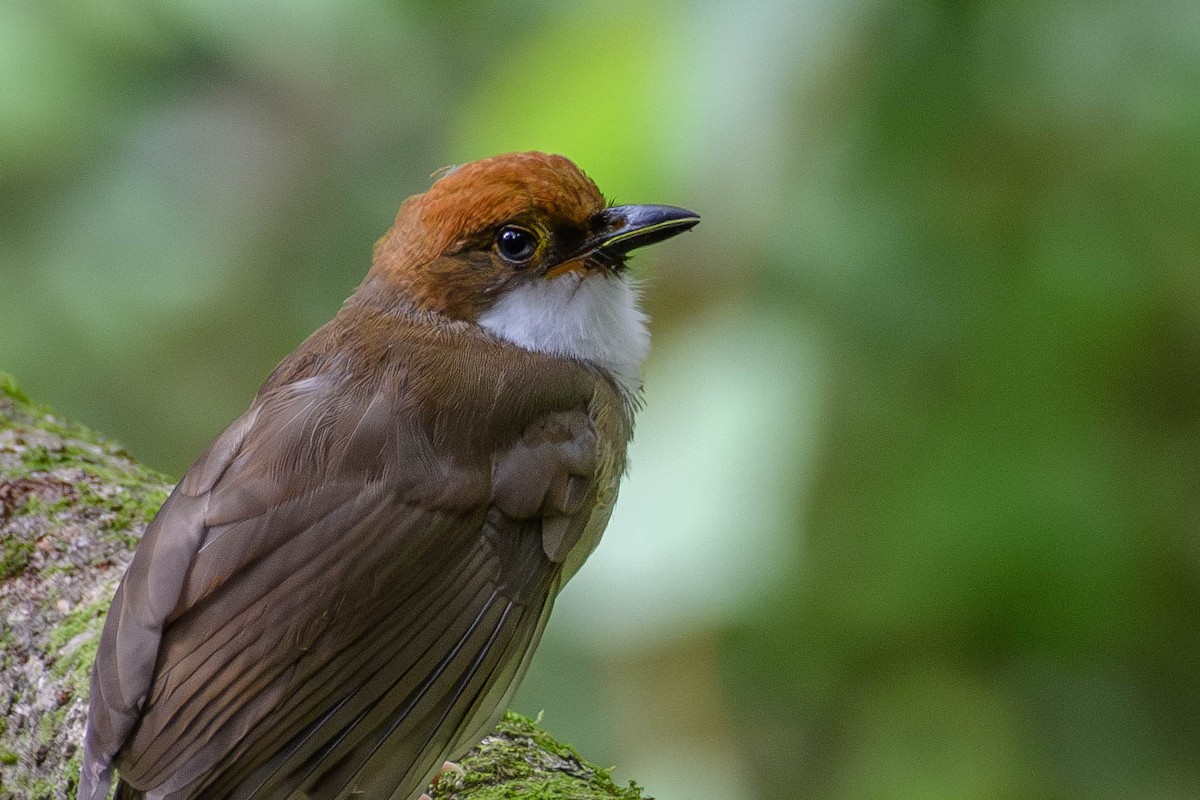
(914, 509)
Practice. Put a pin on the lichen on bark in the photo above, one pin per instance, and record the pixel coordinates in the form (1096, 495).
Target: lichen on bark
(72, 507)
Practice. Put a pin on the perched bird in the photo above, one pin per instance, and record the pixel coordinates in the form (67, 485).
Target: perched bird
(346, 588)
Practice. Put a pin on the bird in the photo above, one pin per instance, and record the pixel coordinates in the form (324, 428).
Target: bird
(345, 589)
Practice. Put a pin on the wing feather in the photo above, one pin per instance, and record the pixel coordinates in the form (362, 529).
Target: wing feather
(344, 590)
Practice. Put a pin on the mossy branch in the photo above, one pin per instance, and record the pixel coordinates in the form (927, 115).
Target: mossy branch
(72, 507)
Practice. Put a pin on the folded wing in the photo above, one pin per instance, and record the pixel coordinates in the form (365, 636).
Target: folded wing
(340, 594)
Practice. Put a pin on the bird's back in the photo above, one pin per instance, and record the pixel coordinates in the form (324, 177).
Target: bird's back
(360, 587)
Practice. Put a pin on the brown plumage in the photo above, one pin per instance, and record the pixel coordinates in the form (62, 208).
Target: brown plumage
(345, 589)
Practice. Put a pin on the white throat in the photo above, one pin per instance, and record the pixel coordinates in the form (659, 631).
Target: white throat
(594, 318)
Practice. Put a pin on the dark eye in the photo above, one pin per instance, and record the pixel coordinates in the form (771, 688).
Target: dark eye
(516, 244)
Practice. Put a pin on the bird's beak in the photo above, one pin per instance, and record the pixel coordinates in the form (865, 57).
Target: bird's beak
(624, 228)
(620, 229)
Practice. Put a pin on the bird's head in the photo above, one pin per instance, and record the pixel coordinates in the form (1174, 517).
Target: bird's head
(525, 246)
(516, 220)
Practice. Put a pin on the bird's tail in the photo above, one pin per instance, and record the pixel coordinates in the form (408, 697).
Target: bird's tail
(127, 792)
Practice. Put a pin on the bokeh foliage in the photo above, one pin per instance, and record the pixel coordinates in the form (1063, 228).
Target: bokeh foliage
(914, 509)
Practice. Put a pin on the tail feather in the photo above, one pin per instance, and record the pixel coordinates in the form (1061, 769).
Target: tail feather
(127, 792)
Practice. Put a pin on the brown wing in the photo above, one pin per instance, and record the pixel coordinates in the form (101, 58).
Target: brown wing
(345, 588)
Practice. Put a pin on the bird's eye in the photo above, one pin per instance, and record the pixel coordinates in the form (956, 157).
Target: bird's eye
(516, 244)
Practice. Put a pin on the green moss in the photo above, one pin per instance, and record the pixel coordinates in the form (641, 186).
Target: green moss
(135, 510)
(38, 459)
(525, 763)
(14, 557)
(48, 725)
(125, 508)
(8, 757)
(44, 789)
(76, 656)
(8, 386)
(43, 458)
(74, 765)
(75, 445)
(35, 505)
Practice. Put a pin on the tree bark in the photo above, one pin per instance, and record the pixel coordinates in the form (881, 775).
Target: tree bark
(72, 507)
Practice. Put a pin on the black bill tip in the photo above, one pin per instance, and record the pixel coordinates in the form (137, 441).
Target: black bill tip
(621, 229)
